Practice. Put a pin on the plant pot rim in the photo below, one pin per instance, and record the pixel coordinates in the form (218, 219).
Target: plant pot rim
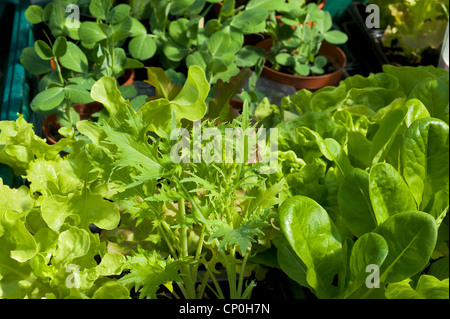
(333, 53)
(288, 75)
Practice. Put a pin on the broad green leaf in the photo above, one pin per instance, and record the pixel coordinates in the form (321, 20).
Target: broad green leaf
(440, 268)
(329, 147)
(250, 21)
(43, 50)
(369, 249)
(59, 47)
(264, 4)
(291, 264)
(118, 13)
(46, 102)
(112, 290)
(335, 37)
(428, 287)
(111, 264)
(13, 273)
(157, 114)
(91, 32)
(332, 150)
(77, 94)
(100, 8)
(389, 193)
(33, 63)
(408, 77)
(224, 91)
(386, 134)
(18, 199)
(90, 209)
(46, 241)
(74, 59)
(425, 158)
(137, 28)
(387, 141)
(15, 237)
(411, 237)
(106, 92)
(316, 240)
(142, 47)
(163, 84)
(196, 58)
(34, 14)
(50, 177)
(174, 51)
(190, 102)
(178, 31)
(354, 203)
(72, 243)
(438, 206)
(20, 147)
(249, 56)
(285, 59)
(434, 93)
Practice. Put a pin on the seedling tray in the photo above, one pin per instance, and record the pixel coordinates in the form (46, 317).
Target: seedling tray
(17, 33)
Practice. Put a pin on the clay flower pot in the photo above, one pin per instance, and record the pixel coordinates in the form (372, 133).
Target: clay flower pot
(333, 54)
(127, 78)
(50, 125)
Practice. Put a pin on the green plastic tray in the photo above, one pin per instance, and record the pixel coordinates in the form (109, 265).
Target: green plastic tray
(15, 83)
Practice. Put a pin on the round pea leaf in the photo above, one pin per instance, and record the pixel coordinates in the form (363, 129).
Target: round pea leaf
(142, 47)
(46, 102)
(59, 47)
(33, 63)
(335, 37)
(34, 14)
(43, 50)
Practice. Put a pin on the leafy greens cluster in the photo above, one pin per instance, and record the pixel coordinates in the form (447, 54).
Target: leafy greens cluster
(366, 169)
(162, 223)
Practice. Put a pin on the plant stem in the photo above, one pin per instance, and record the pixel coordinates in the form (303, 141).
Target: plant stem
(184, 248)
(248, 291)
(219, 292)
(69, 116)
(194, 270)
(58, 70)
(241, 275)
(232, 274)
(169, 244)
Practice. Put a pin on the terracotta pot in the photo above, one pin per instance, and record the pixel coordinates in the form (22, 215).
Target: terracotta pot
(333, 54)
(50, 125)
(127, 78)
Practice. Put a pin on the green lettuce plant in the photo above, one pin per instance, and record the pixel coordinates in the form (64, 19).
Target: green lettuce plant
(297, 36)
(366, 172)
(416, 25)
(47, 247)
(118, 213)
